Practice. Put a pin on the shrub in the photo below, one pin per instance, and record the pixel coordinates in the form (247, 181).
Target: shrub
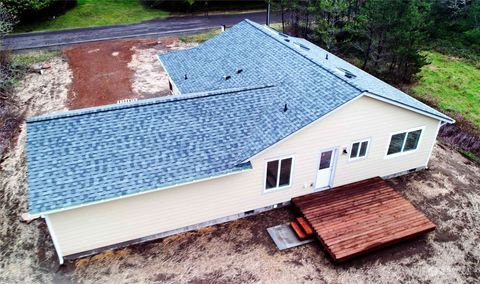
(199, 6)
(473, 36)
(7, 20)
(29, 10)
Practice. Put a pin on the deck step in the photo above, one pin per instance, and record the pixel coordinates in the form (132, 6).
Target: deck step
(360, 217)
(298, 231)
(305, 226)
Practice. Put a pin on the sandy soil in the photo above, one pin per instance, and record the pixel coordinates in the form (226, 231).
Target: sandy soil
(149, 79)
(26, 252)
(240, 251)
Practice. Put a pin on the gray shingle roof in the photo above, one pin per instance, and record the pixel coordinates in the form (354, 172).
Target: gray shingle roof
(92, 155)
(269, 57)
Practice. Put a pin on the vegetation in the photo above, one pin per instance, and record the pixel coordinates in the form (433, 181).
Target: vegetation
(88, 13)
(14, 67)
(43, 15)
(470, 156)
(408, 41)
(385, 36)
(33, 57)
(199, 38)
(453, 83)
(190, 6)
(455, 28)
(7, 21)
(27, 9)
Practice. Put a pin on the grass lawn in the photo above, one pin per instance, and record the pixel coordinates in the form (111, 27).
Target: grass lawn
(33, 57)
(89, 13)
(199, 38)
(453, 84)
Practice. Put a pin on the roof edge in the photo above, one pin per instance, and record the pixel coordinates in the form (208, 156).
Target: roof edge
(305, 126)
(253, 24)
(443, 118)
(239, 169)
(140, 103)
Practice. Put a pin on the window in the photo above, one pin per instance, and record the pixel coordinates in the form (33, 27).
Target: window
(359, 149)
(278, 173)
(325, 160)
(404, 141)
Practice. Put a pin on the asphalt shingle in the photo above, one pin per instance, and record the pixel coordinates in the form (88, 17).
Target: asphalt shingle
(212, 128)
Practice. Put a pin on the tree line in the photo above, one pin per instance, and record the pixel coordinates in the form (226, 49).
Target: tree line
(384, 37)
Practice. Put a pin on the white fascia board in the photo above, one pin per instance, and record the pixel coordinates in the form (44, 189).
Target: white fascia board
(440, 123)
(136, 194)
(54, 239)
(380, 98)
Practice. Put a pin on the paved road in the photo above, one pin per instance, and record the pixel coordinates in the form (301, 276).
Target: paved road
(168, 26)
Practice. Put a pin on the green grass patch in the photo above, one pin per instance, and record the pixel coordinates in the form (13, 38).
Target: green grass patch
(276, 26)
(16, 66)
(470, 156)
(33, 57)
(89, 13)
(199, 38)
(453, 84)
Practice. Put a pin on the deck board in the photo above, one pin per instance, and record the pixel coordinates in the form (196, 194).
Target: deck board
(360, 217)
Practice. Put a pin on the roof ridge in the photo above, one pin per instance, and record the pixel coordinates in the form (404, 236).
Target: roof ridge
(141, 103)
(301, 54)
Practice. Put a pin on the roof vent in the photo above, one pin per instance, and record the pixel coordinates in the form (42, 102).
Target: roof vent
(301, 46)
(239, 71)
(186, 77)
(126, 101)
(227, 77)
(282, 34)
(287, 40)
(326, 56)
(285, 108)
(346, 73)
(304, 47)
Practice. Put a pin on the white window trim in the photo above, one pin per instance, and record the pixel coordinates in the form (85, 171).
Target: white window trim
(366, 152)
(402, 153)
(277, 188)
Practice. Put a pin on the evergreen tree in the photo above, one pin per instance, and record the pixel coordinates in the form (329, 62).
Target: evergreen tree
(330, 21)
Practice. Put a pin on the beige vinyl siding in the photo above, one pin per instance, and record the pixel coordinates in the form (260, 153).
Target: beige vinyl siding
(125, 219)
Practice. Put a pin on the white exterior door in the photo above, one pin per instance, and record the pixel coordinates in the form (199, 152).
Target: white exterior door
(325, 169)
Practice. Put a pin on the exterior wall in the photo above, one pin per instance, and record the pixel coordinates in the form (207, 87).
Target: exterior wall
(104, 224)
(174, 88)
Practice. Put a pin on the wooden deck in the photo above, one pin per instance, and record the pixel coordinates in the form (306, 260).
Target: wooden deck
(360, 217)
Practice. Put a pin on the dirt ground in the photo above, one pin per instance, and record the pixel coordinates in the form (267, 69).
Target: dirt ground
(26, 252)
(109, 71)
(239, 251)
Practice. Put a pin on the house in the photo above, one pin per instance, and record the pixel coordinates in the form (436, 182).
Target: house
(258, 117)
